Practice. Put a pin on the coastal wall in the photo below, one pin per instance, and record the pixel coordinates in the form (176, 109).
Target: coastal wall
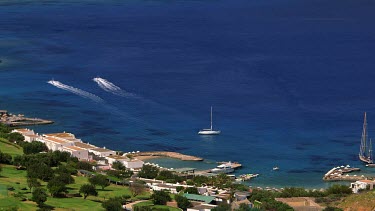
(176, 155)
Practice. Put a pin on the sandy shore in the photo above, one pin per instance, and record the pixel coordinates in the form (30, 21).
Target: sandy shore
(157, 154)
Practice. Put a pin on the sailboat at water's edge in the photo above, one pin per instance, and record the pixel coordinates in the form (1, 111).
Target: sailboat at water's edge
(365, 151)
(209, 131)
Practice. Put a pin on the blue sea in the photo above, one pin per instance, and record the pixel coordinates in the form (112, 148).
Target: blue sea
(289, 81)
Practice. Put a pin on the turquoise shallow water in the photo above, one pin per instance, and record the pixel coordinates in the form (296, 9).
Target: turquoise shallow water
(289, 81)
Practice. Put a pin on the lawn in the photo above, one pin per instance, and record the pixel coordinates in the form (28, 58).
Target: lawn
(150, 203)
(10, 148)
(11, 177)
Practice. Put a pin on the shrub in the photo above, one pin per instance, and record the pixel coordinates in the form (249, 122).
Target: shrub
(161, 197)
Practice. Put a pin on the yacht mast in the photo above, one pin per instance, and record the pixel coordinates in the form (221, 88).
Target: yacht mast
(370, 151)
(363, 149)
(211, 117)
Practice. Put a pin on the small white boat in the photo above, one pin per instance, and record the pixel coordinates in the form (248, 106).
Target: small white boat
(209, 131)
(275, 168)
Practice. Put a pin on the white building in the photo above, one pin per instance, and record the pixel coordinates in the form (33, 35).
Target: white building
(113, 158)
(361, 185)
(102, 152)
(55, 143)
(84, 145)
(28, 134)
(133, 164)
(81, 154)
(162, 186)
(64, 135)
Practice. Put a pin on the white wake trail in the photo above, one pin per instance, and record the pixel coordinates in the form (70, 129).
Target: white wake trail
(76, 91)
(110, 87)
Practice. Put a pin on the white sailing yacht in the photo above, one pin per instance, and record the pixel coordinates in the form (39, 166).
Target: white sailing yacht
(365, 151)
(209, 131)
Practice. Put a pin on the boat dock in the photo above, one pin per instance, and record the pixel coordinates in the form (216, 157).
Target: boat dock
(337, 174)
(20, 120)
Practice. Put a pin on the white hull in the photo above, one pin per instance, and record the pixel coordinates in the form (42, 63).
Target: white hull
(209, 132)
(222, 170)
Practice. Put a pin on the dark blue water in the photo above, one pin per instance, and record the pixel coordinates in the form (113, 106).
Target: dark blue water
(289, 80)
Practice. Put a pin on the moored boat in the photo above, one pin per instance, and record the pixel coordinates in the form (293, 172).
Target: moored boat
(365, 150)
(209, 131)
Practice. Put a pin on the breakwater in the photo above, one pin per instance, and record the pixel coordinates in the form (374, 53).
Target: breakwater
(176, 155)
(20, 120)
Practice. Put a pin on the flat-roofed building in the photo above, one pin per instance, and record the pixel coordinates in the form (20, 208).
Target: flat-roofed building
(81, 154)
(113, 158)
(28, 134)
(102, 152)
(55, 143)
(162, 186)
(84, 145)
(362, 185)
(64, 135)
(133, 164)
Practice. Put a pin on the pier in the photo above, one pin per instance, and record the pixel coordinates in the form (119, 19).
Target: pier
(20, 120)
(155, 154)
(337, 174)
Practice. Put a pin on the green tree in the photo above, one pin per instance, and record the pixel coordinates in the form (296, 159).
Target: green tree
(56, 186)
(84, 166)
(179, 188)
(191, 190)
(199, 180)
(40, 171)
(34, 147)
(136, 188)
(16, 137)
(148, 171)
(4, 128)
(112, 204)
(118, 166)
(160, 197)
(66, 178)
(5, 158)
(99, 180)
(88, 189)
(243, 207)
(39, 196)
(120, 174)
(182, 202)
(32, 183)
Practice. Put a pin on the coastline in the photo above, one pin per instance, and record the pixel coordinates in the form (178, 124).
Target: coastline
(157, 154)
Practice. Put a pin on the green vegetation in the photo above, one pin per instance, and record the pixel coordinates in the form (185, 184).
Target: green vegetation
(39, 196)
(25, 178)
(149, 172)
(10, 148)
(88, 189)
(99, 180)
(160, 197)
(150, 206)
(33, 147)
(182, 202)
